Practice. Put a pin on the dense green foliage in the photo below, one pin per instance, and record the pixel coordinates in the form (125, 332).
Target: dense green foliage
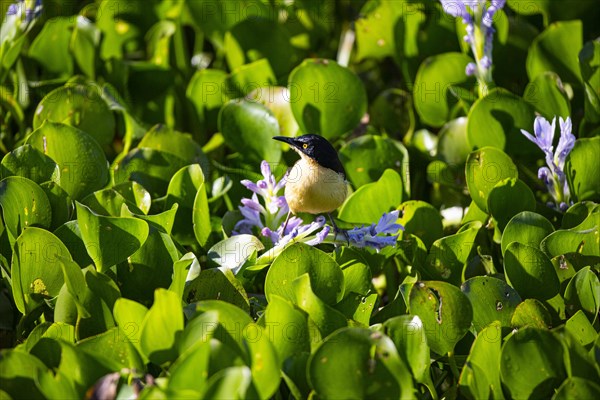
(127, 126)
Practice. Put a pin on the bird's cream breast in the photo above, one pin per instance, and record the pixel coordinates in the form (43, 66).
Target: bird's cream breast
(314, 189)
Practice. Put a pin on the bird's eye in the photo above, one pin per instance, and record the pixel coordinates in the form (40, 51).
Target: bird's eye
(305, 146)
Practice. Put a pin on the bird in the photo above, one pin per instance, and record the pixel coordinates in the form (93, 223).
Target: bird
(316, 183)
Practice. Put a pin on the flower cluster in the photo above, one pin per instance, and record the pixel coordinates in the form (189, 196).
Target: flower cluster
(19, 18)
(267, 218)
(553, 175)
(480, 33)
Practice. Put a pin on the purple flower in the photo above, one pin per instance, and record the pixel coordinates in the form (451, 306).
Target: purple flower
(377, 236)
(480, 32)
(553, 174)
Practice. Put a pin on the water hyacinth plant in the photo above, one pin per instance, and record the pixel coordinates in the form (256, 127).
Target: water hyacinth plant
(266, 218)
(553, 175)
(478, 18)
(19, 18)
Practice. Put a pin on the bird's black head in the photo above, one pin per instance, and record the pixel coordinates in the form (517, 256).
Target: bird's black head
(317, 148)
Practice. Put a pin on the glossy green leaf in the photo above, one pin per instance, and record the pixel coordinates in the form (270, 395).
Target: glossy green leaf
(201, 216)
(326, 98)
(583, 293)
(255, 38)
(588, 65)
(492, 300)
(19, 372)
(75, 282)
(548, 96)
(160, 326)
(527, 228)
(190, 371)
(129, 316)
(244, 79)
(36, 269)
(577, 388)
(580, 170)
(421, 219)
(453, 146)
(438, 86)
(532, 313)
(445, 311)
(248, 128)
(84, 42)
(367, 157)
(326, 277)
(383, 195)
(150, 168)
(80, 106)
(357, 273)
(60, 202)
(448, 255)
(583, 238)
(289, 327)
(359, 363)
(229, 383)
(82, 163)
(485, 168)
(480, 378)
(277, 99)
(531, 363)
(113, 349)
(530, 272)
(70, 234)
(51, 47)
(496, 120)
(508, 198)
(581, 329)
(23, 204)
(233, 252)
(408, 334)
(206, 93)
(110, 240)
(218, 285)
(556, 49)
(392, 111)
(263, 361)
(30, 163)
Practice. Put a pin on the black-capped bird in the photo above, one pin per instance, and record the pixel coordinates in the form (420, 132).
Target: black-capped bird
(317, 182)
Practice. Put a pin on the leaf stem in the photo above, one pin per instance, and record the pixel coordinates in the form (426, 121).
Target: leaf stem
(453, 366)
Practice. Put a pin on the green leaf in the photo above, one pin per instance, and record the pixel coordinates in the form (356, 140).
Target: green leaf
(244, 79)
(263, 361)
(581, 329)
(23, 204)
(108, 202)
(233, 252)
(530, 272)
(580, 169)
(531, 364)
(201, 216)
(36, 269)
(583, 239)
(480, 378)
(492, 300)
(557, 49)
(75, 282)
(248, 128)
(503, 115)
(508, 198)
(327, 99)
(326, 277)
(218, 285)
(150, 168)
(70, 234)
(110, 240)
(129, 316)
(30, 163)
(84, 44)
(326, 318)
(367, 157)
(583, 293)
(82, 163)
(531, 312)
(277, 99)
(79, 106)
(484, 169)
(527, 228)
(19, 372)
(113, 349)
(160, 327)
(577, 388)
(357, 363)
(62, 206)
(357, 273)
(408, 334)
(448, 255)
(163, 138)
(548, 96)
(256, 38)
(206, 93)
(382, 196)
(288, 326)
(376, 30)
(421, 219)
(438, 86)
(190, 370)
(229, 383)
(392, 112)
(51, 47)
(588, 65)
(445, 311)
(453, 145)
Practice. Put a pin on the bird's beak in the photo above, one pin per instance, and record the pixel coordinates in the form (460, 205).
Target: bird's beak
(291, 141)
